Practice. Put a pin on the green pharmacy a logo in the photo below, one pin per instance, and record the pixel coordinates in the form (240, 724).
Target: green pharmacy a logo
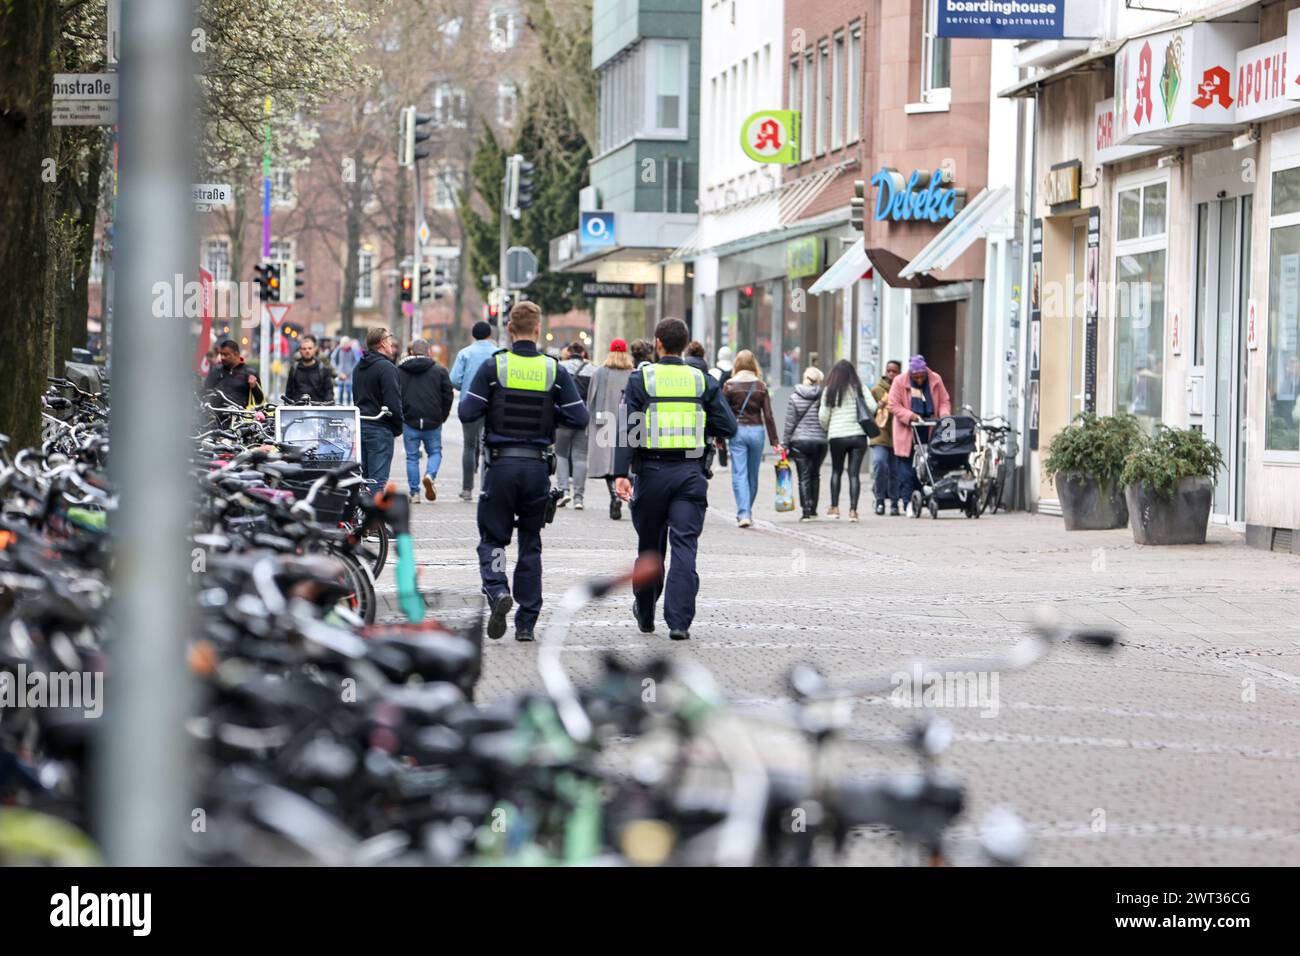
(1171, 77)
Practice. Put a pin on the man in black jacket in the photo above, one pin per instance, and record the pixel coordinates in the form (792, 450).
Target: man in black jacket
(232, 378)
(426, 403)
(374, 387)
(311, 376)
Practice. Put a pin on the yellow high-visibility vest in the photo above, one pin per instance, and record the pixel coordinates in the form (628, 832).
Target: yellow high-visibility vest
(675, 417)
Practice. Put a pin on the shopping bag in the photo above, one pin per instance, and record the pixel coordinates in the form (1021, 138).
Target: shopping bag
(784, 486)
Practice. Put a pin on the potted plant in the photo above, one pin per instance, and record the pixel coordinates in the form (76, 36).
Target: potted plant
(1086, 459)
(1169, 484)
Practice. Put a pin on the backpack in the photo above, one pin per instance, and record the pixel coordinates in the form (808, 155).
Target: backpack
(583, 382)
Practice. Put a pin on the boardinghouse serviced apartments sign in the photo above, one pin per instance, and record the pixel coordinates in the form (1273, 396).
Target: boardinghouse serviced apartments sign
(1003, 19)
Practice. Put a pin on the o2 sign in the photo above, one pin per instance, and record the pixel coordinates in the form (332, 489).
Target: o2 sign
(921, 198)
(595, 230)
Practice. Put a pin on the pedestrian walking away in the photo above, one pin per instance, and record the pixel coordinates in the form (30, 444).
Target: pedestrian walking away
(672, 411)
(571, 443)
(919, 394)
(840, 413)
(375, 387)
(463, 370)
(723, 367)
(805, 436)
(603, 402)
(752, 406)
(311, 377)
(233, 378)
(884, 474)
(345, 359)
(694, 356)
(426, 404)
(523, 395)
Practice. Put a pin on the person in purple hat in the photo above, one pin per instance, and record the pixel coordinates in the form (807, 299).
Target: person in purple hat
(918, 394)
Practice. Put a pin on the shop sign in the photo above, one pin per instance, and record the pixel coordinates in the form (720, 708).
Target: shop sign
(613, 290)
(1262, 79)
(595, 230)
(922, 197)
(1002, 19)
(771, 136)
(1176, 331)
(1061, 187)
(1292, 54)
(1176, 87)
(1253, 331)
(803, 257)
(1104, 150)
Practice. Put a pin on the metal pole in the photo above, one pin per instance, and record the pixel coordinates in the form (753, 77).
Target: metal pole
(264, 352)
(504, 341)
(144, 802)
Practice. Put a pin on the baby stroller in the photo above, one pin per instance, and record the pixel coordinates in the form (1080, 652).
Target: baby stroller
(944, 478)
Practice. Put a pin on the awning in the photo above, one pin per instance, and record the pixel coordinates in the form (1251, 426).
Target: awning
(847, 270)
(890, 267)
(990, 210)
(763, 214)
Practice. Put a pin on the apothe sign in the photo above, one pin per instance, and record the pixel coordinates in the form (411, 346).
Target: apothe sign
(922, 197)
(1003, 19)
(84, 99)
(771, 136)
(613, 290)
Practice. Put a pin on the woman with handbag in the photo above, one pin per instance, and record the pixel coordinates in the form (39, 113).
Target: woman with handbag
(752, 404)
(806, 439)
(848, 415)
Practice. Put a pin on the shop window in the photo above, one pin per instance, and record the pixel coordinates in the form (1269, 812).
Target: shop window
(1282, 413)
(1140, 275)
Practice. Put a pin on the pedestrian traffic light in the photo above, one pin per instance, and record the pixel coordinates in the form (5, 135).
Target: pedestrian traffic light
(267, 277)
(408, 284)
(524, 190)
(411, 132)
(425, 290)
(858, 206)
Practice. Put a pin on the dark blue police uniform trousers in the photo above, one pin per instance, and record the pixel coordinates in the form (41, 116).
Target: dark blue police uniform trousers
(513, 488)
(668, 505)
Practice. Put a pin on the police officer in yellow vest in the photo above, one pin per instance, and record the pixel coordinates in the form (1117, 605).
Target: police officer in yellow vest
(674, 412)
(524, 395)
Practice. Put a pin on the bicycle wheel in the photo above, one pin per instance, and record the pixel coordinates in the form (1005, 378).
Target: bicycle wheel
(361, 599)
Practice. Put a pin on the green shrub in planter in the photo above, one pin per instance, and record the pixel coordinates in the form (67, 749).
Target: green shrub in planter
(1086, 460)
(1169, 484)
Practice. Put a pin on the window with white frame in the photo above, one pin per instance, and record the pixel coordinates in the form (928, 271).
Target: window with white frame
(936, 58)
(365, 297)
(667, 85)
(449, 107)
(282, 193)
(97, 263)
(450, 33)
(1282, 377)
(644, 94)
(503, 28)
(445, 187)
(854, 126)
(1141, 243)
(823, 98)
(837, 91)
(216, 258)
(806, 110)
(507, 103)
(282, 250)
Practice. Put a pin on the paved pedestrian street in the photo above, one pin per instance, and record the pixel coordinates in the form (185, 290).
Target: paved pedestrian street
(1180, 747)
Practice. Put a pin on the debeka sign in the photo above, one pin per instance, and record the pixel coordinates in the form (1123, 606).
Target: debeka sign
(922, 197)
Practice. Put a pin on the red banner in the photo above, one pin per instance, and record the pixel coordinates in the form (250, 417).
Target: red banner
(205, 334)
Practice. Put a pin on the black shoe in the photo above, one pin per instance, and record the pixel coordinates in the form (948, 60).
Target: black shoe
(524, 634)
(893, 510)
(880, 507)
(616, 508)
(646, 627)
(680, 635)
(496, 625)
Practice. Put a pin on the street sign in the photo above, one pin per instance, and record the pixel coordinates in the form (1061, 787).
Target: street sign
(521, 267)
(207, 195)
(85, 99)
(278, 312)
(424, 233)
(613, 290)
(595, 230)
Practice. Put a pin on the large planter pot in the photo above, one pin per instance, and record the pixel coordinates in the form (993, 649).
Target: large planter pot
(1087, 505)
(1180, 519)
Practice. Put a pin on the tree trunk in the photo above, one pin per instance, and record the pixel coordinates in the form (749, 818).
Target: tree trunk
(78, 201)
(351, 265)
(26, 40)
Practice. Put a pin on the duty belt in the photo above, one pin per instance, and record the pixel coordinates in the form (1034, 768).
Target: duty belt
(516, 451)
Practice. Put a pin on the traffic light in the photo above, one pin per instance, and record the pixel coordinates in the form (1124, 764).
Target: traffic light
(295, 285)
(425, 290)
(268, 281)
(524, 190)
(408, 284)
(858, 206)
(411, 132)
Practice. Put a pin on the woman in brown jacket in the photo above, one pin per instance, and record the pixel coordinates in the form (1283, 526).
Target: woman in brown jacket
(752, 404)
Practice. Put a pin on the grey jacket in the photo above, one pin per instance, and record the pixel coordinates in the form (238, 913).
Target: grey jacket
(801, 421)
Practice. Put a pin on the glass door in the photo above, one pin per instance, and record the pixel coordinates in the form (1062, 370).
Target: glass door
(1075, 310)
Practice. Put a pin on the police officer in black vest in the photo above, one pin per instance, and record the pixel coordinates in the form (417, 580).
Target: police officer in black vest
(524, 395)
(674, 412)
